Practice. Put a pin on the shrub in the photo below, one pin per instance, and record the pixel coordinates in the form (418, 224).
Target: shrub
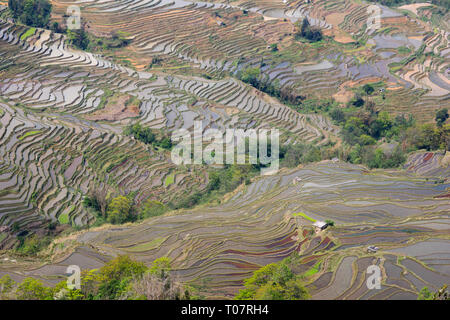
(152, 208)
(32, 289)
(441, 116)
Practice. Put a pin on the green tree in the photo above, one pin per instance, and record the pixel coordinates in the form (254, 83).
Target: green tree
(78, 38)
(368, 89)
(160, 267)
(355, 154)
(429, 137)
(441, 116)
(251, 75)
(337, 115)
(330, 223)
(140, 133)
(366, 140)
(273, 282)
(32, 289)
(116, 275)
(119, 210)
(308, 32)
(62, 292)
(381, 125)
(425, 294)
(7, 285)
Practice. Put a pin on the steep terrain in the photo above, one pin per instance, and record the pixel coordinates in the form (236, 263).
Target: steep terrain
(63, 111)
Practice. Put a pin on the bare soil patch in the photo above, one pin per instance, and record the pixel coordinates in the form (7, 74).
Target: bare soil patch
(117, 108)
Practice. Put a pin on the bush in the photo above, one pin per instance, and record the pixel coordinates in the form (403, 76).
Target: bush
(357, 101)
(32, 244)
(286, 94)
(152, 208)
(7, 285)
(146, 135)
(91, 202)
(293, 155)
(251, 75)
(78, 38)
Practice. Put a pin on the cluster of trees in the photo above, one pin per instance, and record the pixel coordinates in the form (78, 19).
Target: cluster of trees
(308, 32)
(363, 126)
(121, 209)
(275, 281)
(121, 278)
(293, 155)
(29, 245)
(85, 41)
(78, 38)
(253, 77)
(146, 135)
(35, 13)
(221, 181)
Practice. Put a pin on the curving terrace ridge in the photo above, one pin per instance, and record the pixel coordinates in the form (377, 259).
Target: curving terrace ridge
(220, 246)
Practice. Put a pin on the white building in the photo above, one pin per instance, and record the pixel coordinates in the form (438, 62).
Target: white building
(320, 225)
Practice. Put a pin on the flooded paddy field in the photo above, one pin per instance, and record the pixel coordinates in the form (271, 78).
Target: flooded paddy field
(260, 224)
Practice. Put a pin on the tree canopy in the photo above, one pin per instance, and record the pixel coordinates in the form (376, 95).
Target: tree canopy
(35, 13)
(119, 210)
(441, 116)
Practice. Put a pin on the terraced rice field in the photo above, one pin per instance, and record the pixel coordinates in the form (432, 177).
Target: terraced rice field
(63, 111)
(53, 153)
(220, 246)
(219, 39)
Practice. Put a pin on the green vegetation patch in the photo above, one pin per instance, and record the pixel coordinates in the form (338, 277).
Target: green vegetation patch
(155, 243)
(28, 34)
(301, 214)
(64, 217)
(313, 270)
(29, 133)
(275, 281)
(170, 179)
